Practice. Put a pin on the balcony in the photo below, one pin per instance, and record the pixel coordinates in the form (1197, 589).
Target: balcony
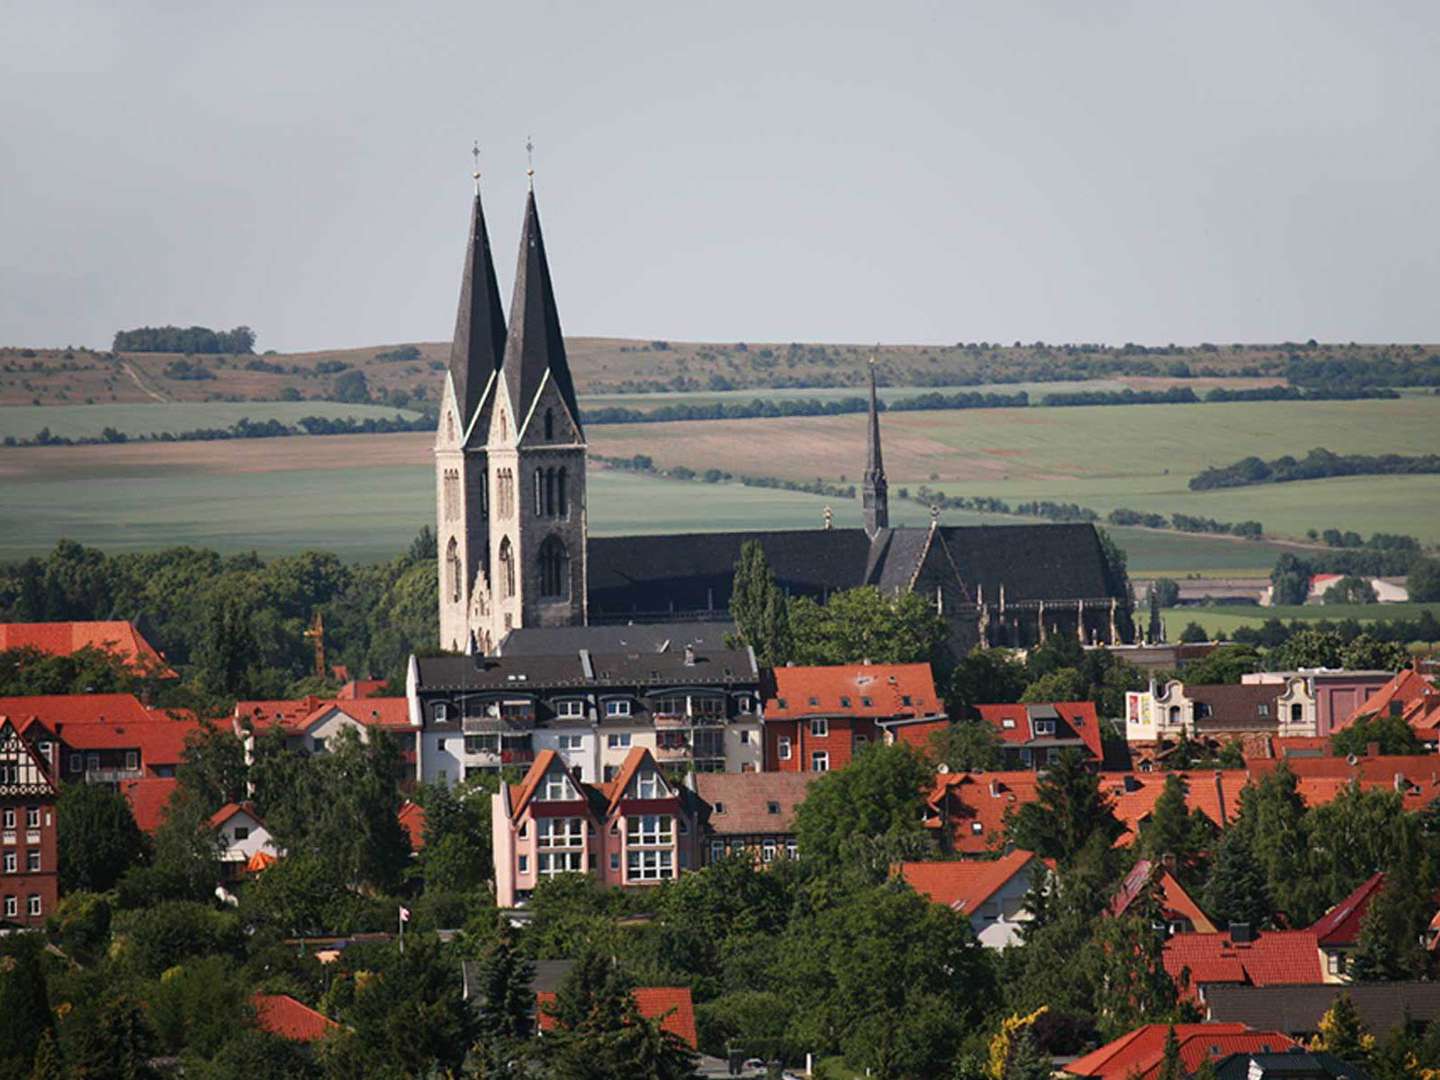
(516, 757)
(679, 752)
(670, 721)
(111, 776)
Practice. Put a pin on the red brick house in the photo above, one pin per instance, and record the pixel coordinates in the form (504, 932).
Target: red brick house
(1035, 735)
(636, 830)
(29, 859)
(818, 718)
(100, 738)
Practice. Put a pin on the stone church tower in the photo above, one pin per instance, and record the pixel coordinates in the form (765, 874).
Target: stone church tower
(512, 528)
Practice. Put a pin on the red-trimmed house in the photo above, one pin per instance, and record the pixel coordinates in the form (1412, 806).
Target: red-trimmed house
(243, 835)
(29, 858)
(1035, 735)
(990, 892)
(635, 830)
(818, 718)
(311, 723)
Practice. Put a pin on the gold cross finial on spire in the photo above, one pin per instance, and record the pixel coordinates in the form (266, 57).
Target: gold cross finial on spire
(530, 159)
(475, 153)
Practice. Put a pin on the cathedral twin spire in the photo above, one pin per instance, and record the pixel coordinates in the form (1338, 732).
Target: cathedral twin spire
(482, 351)
(874, 490)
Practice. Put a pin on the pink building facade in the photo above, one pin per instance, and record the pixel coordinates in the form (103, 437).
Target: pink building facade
(637, 830)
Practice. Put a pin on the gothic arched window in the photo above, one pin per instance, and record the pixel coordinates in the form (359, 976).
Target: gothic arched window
(507, 567)
(452, 570)
(539, 492)
(562, 502)
(549, 424)
(554, 568)
(549, 492)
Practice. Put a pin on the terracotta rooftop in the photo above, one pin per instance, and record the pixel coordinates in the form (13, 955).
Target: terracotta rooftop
(877, 691)
(1341, 924)
(65, 638)
(53, 709)
(1140, 1055)
(751, 803)
(671, 1005)
(1177, 903)
(229, 810)
(1274, 958)
(281, 1014)
(1015, 724)
(965, 885)
(299, 715)
(412, 820)
(148, 799)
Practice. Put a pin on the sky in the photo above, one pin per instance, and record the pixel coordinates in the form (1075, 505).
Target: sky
(745, 171)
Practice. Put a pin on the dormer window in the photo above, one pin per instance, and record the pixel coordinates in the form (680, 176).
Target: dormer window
(441, 711)
(866, 702)
(719, 808)
(904, 699)
(1044, 727)
(648, 785)
(844, 702)
(619, 707)
(814, 700)
(1007, 723)
(555, 787)
(772, 807)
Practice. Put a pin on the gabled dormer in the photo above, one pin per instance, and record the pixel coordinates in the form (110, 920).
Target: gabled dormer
(547, 782)
(639, 780)
(22, 773)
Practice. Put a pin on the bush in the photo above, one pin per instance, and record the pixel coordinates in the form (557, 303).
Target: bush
(1194, 634)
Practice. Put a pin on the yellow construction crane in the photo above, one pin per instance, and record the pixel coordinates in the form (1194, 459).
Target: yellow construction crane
(317, 631)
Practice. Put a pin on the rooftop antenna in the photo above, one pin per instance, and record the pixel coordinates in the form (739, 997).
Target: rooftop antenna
(475, 153)
(530, 160)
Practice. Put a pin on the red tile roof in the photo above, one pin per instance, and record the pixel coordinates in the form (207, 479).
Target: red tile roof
(149, 800)
(793, 692)
(1341, 924)
(361, 688)
(1079, 715)
(961, 801)
(1118, 1058)
(412, 820)
(965, 885)
(1216, 794)
(53, 709)
(229, 810)
(520, 794)
(1406, 687)
(160, 742)
(281, 1014)
(672, 1005)
(1274, 958)
(65, 638)
(1177, 903)
(299, 715)
(740, 802)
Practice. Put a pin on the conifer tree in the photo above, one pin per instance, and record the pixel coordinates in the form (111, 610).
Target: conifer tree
(1068, 810)
(1343, 1034)
(504, 1005)
(1236, 891)
(24, 1009)
(47, 1064)
(1391, 946)
(1156, 631)
(760, 608)
(1027, 1060)
(1171, 1067)
(1173, 829)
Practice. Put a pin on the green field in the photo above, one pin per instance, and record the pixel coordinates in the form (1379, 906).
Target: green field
(656, 400)
(1229, 619)
(88, 421)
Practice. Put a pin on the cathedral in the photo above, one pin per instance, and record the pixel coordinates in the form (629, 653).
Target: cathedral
(512, 504)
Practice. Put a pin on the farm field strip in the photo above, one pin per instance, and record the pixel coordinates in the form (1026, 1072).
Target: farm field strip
(1228, 619)
(88, 421)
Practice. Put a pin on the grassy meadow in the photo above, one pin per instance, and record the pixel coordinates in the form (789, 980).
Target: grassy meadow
(1228, 619)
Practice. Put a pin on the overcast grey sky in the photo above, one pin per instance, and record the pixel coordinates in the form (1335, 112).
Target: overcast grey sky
(837, 171)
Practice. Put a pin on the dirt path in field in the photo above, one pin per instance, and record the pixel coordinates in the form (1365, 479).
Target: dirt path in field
(129, 369)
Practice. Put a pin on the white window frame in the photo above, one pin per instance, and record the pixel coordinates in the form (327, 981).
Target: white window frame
(559, 832)
(1044, 727)
(32, 861)
(820, 761)
(744, 734)
(555, 788)
(522, 863)
(570, 741)
(767, 851)
(744, 703)
(441, 711)
(649, 865)
(782, 747)
(12, 865)
(649, 830)
(12, 906)
(617, 707)
(32, 817)
(617, 740)
(820, 727)
(132, 759)
(571, 708)
(9, 817)
(649, 785)
(555, 863)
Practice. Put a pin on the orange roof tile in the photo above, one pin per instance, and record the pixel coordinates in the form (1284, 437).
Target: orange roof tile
(964, 885)
(1176, 901)
(64, 638)
(671, 1005)
(825, 690)
(1406, 687)
(1123, 1055)
(538, 768)
(1341, 924)
(1079, 715)
(229, 810)
(412, 820)
(1274, 958)
(390, 713)
(962, 801)
(281, 1014)
(53, 709)
(149, 800)
(615, 790)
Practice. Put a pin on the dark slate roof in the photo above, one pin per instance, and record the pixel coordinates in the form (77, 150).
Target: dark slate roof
(479, 342)
(534, 674)
(1296, 1064)
(694, 571)
(620, 637)
(535, 344)
(547, 977)
(651, 575)
(1296, 1010)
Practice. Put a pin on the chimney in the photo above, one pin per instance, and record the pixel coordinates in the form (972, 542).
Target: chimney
(689, 655)
(1372, 749)
(1241, 933)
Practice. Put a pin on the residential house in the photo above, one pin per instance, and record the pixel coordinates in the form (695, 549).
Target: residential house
(694, 709)
(100, 738)
(412, 820)
(1244, 957)
(123, 639)
(1331, 696)
(1219, 713)
(311, 724)
(1035, 735)
(1296, 1010)
(1337, 932)
(636, 830)
(1294, 1064)
(751, 813)
(243, 835)
(1140, 1055)
(818, 718)
(967, 811)
(1215, 793)
(671, 1005)
(149, 800)
(1394, 697)
(29, 854)
(1179, 912)
(282, 1015)
(1160, 656)
(991, 893)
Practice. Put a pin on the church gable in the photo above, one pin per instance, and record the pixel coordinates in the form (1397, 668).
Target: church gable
(549, 421)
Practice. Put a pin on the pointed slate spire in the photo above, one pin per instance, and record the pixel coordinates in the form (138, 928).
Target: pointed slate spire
(874, 491)
(479, 342)
(535, 344)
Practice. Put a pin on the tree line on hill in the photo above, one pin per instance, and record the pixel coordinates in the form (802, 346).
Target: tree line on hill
(1291, 576)
(1315, 465)
(188, 339)
(244, 428)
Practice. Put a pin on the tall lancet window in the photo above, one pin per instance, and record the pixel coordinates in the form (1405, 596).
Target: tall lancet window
(554, 568)
(507, 567)
(452, 570)
(562, 499)
(549, 424)
(539, 492)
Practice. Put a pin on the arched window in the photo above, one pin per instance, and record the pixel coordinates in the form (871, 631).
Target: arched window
(1174, 714)
(554, 568)
(562, 501)
(504, 427)
(549, 492)
(452, 570)
(539, 492)
(1297, 713)
(507, 567)
(549, 424)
